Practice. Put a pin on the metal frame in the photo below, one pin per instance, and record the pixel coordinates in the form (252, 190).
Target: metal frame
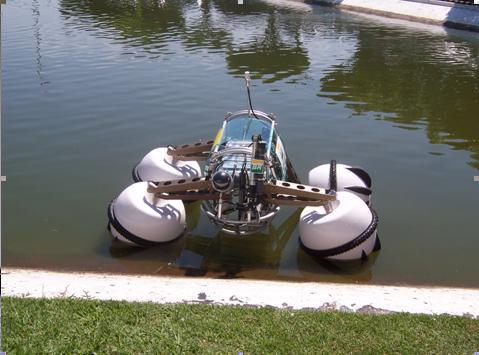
(270, 193)
(269, 117)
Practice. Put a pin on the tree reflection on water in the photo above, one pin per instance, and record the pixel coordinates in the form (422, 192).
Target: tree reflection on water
(389, 74)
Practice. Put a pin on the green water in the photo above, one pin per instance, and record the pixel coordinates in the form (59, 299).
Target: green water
(89, 87)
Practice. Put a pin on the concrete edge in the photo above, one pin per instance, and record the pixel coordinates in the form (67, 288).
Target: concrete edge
(457, 16)
(284, 295)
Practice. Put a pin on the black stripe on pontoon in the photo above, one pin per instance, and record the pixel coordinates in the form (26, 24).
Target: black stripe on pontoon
(125, 233)
(362, 174)
(134, 174)
(349, 245)
(377, 243)
(359, 189)
(333, 177)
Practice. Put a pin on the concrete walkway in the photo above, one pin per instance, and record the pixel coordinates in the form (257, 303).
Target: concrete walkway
(289, 295)
(426, 11)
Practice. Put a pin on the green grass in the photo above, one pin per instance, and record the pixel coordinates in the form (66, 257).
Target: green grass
(34, 326)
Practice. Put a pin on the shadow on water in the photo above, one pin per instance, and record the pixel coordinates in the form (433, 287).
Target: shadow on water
(226, 256)
(198, 255)
(232, 254)
(353, 271)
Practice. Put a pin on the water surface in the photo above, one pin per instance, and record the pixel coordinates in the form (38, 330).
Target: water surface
(91, 86)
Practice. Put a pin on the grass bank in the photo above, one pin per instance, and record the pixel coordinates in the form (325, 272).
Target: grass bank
(80, 326)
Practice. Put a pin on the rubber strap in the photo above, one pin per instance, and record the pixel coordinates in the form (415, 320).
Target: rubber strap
(362, 174)
(333, 178)
(377, 243)
(349, 245)
(359, 189)
(125, 233)
(364, 257)
(134, 174)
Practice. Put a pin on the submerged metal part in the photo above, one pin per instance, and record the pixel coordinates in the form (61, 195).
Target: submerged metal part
(239, 227)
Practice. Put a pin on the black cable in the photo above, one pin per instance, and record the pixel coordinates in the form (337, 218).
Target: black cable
(250, 105)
